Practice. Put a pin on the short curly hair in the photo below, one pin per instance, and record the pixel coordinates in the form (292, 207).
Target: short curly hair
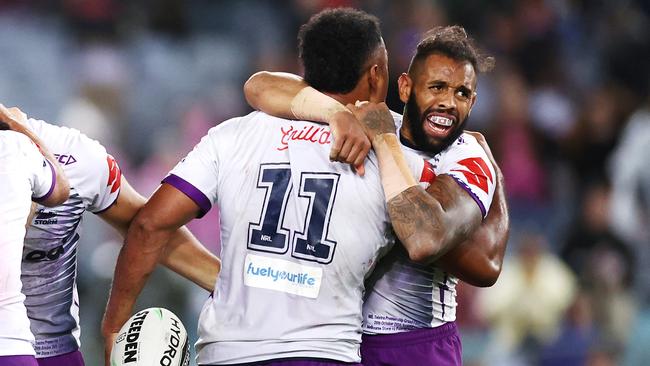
(335, 45)
(453, 42)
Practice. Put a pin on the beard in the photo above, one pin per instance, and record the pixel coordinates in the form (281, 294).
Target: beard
(423, 142)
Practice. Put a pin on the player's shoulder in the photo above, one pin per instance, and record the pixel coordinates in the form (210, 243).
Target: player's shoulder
(13, 137)
(65, 140)
(232, 124)
(12, 143)
(465, 143)
(250, 124)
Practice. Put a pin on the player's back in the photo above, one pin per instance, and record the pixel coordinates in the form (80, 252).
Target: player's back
(299, 234)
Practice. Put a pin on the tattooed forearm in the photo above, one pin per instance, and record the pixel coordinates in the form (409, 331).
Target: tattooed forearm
(409, 213)
(412, 214)
(429, 223)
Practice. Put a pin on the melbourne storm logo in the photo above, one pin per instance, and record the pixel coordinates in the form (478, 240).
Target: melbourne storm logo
(45, 218)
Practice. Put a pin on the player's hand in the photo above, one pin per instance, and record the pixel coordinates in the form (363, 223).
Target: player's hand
(375, 117)
(110, 334)
(12, 116)
(109, 341)
(351, 144)
(17, 121)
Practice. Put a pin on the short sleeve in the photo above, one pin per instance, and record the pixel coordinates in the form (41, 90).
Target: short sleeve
(469, 165)
(109, 179)
(196, 174)
(41, 172)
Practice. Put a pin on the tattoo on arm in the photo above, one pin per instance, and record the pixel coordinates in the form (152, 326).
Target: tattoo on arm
(379, 121)
(431, 222)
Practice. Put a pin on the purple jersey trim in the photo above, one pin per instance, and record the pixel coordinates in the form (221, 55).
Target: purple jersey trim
(111, 205)
(472, 194)
(190, 191)
(43, 198)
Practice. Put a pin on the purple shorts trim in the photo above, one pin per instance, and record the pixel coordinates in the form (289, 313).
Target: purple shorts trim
(190, 191)
(68, 359)
(18, 361)
(438, 346)
(298, 362)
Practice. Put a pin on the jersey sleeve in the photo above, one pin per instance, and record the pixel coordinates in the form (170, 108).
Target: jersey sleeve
(196, 174)
(106, 180)
(42, 174)
(469, 165)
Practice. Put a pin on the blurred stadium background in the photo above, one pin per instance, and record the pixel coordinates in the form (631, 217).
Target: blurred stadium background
(566, 111)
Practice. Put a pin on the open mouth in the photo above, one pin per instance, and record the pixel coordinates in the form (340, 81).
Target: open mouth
(438, 126)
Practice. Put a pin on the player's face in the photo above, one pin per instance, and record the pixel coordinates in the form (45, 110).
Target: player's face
(440, 97)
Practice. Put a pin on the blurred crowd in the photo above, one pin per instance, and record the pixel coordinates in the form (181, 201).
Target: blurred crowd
(566, 112)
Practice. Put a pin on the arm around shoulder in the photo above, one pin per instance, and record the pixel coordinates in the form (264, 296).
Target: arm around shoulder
(273, 92)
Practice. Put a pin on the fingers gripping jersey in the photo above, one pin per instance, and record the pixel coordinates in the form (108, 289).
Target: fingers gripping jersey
(24, 174)
(49, 266)
(299, 234)
(403, 295)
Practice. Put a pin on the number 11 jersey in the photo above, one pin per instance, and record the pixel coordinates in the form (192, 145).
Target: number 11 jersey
(299, 234)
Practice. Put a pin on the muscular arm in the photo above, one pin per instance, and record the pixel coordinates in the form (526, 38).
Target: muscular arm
(184, 254)
(478, 259)
(272, 92)
(432, 222)
(288, 96)
(428, 223)
(152, 228)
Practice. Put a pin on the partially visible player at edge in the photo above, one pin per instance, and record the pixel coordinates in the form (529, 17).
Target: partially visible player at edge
(299, 233)
(417, 300)
(26, 174)
(49, 266)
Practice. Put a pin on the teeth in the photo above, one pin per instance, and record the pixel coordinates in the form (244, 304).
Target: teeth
(442, 121)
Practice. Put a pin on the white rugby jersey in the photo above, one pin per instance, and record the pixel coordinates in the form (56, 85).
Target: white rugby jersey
(298, 236)
(402, 295)
(49, 266)
(24, 175)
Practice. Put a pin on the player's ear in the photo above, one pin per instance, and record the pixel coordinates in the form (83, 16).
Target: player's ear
(471, 103)
(404, 85)
(375, 84)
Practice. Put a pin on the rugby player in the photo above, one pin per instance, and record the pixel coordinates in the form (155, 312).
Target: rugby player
(409, 308)
(26, 174)
(49, 266)
(299, 233)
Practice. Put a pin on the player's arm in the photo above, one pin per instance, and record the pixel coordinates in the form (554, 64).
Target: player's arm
(478, 260)
(288, 96)
(152, 228)
(184, 254)
(61, 189)
(428, 223)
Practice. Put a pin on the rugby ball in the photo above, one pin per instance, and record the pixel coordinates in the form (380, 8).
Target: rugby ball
(153, 336)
